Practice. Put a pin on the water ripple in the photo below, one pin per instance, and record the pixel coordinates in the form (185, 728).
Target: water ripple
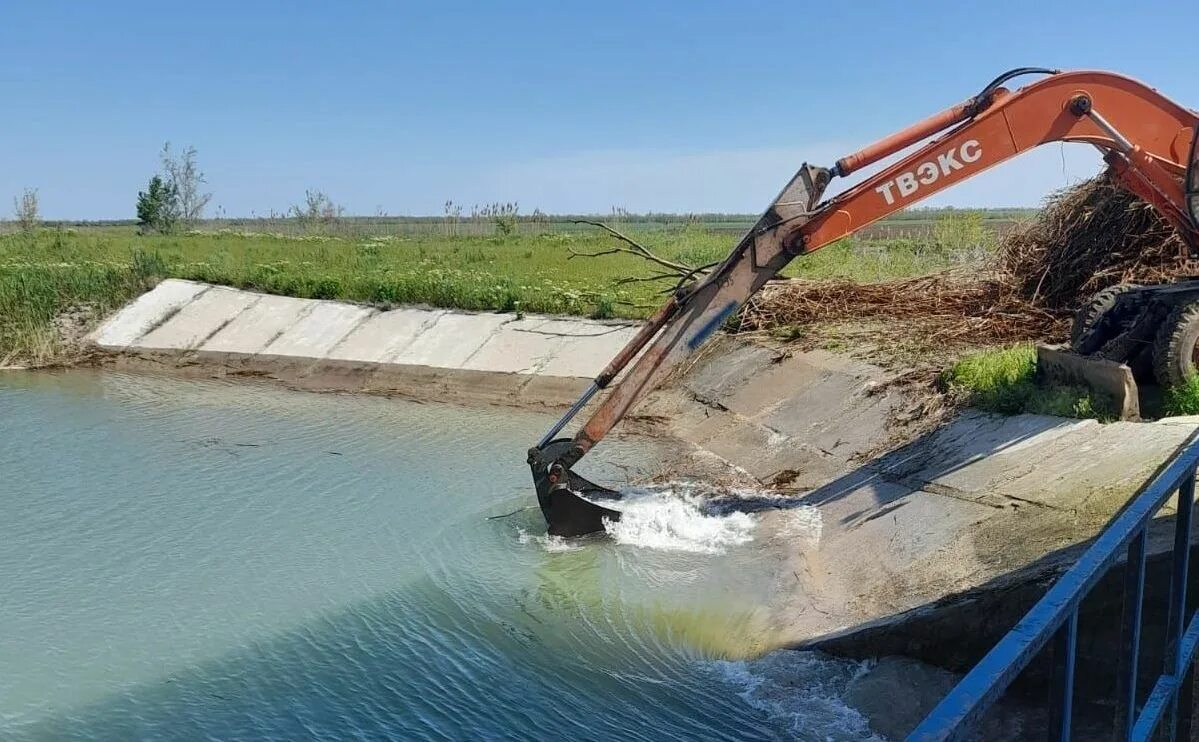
(207, 560)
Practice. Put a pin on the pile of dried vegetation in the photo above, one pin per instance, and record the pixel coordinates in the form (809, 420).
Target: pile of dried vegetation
(1087, 237)
(949, 308)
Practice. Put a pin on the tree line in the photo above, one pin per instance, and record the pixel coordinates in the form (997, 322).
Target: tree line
(175, 198)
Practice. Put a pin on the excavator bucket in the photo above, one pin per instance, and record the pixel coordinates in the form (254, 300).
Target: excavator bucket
(571, 506)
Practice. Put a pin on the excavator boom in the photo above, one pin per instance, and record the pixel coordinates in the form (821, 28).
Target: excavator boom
(1147, 140)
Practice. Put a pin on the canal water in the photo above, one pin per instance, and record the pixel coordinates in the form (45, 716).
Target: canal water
(206, 560)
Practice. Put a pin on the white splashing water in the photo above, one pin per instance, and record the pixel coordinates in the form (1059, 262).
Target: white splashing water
(671, 518)
(804, 691)
(551, 544)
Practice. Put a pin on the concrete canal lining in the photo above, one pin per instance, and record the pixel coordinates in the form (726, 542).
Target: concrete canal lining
(904, 518)
(426, 353)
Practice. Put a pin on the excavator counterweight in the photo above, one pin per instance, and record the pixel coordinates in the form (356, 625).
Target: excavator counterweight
(1148, 142)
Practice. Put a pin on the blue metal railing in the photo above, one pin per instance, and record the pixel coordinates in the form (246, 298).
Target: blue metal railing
(1055, 618)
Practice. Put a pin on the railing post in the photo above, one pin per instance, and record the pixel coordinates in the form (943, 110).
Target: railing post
(1176, 617)
(1130, 637)
(1061, 698)
(1186, 704)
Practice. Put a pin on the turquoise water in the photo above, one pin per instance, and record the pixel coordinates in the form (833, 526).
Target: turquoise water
(202, 560)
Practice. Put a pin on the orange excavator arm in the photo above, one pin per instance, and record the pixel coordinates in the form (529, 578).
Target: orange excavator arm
(1147, 141)
(1122, 117)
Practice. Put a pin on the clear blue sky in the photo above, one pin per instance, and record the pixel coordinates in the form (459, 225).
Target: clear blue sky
(565, 106)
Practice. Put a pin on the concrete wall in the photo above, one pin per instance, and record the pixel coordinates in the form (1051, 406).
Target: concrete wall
(428, 353)
(906, 517)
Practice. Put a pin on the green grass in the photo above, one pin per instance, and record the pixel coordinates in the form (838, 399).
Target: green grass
(34, 292)
(48, 271)
(1182, 400)
(31, 297)
(1003, 380)
(917, 222)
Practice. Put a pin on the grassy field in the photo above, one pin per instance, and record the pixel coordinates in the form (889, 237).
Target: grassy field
(918, 224)
(53, 270)
(46, 272)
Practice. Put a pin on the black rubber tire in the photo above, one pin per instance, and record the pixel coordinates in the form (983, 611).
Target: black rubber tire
(1174, 346)
(1086, 336)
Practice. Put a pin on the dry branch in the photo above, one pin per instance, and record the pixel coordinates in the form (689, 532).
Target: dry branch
(678, 270)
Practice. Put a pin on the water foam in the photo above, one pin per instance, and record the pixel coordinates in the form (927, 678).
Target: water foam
(551, 544)
(672, 518)
(804, 691)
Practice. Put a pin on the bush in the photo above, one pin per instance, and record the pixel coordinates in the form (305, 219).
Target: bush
(605, 308)
(1182, 400)
(158, 206)
(317, 212)
(505, 217)
(25, 209)
(147, 267)
(962, 231)
(174, 196)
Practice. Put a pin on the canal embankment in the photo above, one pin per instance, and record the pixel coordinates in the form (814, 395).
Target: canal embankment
(428, 354)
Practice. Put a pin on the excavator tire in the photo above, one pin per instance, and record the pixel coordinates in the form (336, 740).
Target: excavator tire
(1174, 348)
(1092, 326)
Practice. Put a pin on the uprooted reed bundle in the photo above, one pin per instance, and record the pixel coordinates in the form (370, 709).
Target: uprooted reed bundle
(943, 308)
(1087, 237)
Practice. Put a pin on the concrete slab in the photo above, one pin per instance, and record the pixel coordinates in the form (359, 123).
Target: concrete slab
(971, 437)
(861, 489)
(520, 347)
(739, 364)
(451, 340)
(1108, 464)
(382, 336)
(985, 477)
(255, 328)
(145, 313)
(551, 391)
(756, 396)
(905, 528)
(319, 330)
(584, 356)
(572, 328)
(197, 321)
(1189, 421)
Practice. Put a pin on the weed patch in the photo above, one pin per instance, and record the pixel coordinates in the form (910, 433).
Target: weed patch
(1004, 381)
(1182, 400)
